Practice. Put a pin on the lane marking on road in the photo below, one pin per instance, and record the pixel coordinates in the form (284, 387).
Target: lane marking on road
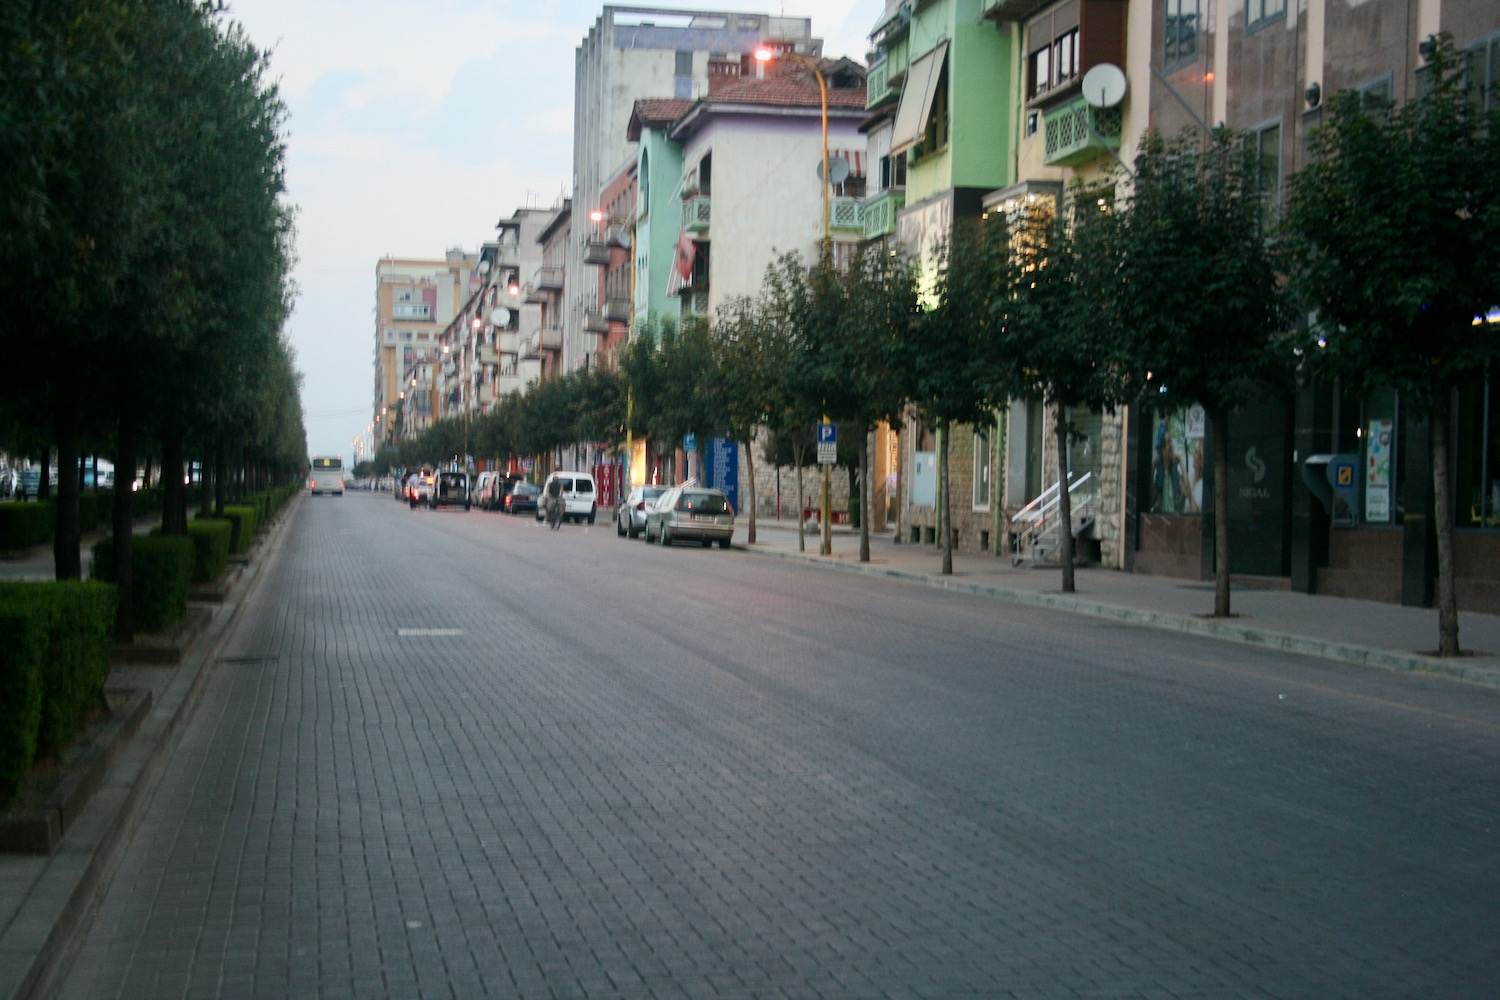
(426, 632)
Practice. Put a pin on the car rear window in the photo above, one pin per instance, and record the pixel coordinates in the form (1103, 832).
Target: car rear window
(704, 503)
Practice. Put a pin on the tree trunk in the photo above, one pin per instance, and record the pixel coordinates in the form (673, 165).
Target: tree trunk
(944, 524)
(1442, 509)
(123, 526)
(221, 475)
(66, 533)
(1219, 421)
(750, 468)
(797, 455)
(174, 496)
(1064, 501)
(864, 496)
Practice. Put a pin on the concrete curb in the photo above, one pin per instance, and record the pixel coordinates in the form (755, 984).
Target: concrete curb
(37, 947)
(1209, 628)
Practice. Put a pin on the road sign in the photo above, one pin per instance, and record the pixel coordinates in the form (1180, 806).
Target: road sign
(828, 444)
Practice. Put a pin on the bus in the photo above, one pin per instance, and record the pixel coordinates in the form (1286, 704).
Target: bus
(327, 476)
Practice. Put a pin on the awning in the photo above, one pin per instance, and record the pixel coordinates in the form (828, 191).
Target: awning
(916, 99)
(854, 157)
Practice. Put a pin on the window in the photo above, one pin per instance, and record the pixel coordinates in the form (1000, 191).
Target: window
(1041, 71)
(982, 468)
(1375, 96)
(1065, 58)
(1266, 145)
(1262, 12)
(892, 172)
(1181, 40)
(1482, 74)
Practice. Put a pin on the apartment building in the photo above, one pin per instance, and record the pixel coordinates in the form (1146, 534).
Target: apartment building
(632, 53)
(415, 301)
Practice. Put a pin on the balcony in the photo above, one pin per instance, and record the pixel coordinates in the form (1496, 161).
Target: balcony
(1078, 133)
(881, 212)
(846, 213)
(548, 279)
(488, 356)
(534, 295)
(595, 322)
(510, 342)
(695, 213)
(551, 338)
(596, 253)
(1004, 11)
(617, 310)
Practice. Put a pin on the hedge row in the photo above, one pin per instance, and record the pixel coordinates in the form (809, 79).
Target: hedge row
(56, 638)
(23, 525)
(161, 574)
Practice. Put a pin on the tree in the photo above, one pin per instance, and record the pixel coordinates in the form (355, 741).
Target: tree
(745, 370)
(949, 356)
(1191, 285)
(1051, 341)
(1393, 236)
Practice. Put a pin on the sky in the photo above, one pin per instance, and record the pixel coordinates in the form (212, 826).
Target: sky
(413, 128)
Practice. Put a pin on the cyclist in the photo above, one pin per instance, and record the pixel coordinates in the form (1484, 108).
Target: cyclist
(554, 503)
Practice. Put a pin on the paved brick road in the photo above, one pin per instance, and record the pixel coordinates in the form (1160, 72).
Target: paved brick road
(453, 755)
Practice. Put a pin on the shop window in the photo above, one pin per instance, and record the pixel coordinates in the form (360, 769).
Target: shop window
(1266, 146)
(983, 468)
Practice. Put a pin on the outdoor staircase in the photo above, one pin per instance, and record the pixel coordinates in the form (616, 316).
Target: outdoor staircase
(1036, 535)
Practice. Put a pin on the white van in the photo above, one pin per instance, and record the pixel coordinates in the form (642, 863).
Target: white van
(578, 493)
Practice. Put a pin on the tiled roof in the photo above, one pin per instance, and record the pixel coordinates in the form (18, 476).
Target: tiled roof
(796, 87)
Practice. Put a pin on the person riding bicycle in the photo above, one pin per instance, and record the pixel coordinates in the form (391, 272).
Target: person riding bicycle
(554, 502)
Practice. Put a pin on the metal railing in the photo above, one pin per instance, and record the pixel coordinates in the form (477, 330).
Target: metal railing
(1035, 529)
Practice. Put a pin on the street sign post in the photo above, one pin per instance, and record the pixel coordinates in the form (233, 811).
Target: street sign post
(828, 444)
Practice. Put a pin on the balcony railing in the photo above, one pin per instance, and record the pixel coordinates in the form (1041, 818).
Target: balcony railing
(533, 294)
(846, 213)
(695, 213)
(881, 212)
(594, 321)
(1078, 133)
(551, 338)
(549, 279)
(596, 253)
(617, 310)
(488, 356)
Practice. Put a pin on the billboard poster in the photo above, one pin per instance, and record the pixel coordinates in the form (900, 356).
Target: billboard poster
(1177, 462)
(723, 461)
(1378, 447)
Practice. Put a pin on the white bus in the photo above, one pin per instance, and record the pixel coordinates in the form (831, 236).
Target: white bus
(327, 475)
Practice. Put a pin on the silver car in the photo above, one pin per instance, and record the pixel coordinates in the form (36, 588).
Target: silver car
(630, 516)
(697, 512)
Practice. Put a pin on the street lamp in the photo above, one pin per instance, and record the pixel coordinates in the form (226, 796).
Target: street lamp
(766, 55)
(825, 542)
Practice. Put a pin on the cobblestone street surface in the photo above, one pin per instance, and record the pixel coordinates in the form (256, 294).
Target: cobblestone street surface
(456, 755)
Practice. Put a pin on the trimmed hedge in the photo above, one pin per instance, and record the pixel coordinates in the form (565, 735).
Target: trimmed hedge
(162, 573)
(211, 537)
(243, 516)
(56, 676)
(23, 637)
(23, 525)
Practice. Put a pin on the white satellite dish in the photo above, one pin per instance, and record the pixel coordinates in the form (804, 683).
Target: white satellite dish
(1104, 85)
(838, 169)
(484, 266)
(500, 317)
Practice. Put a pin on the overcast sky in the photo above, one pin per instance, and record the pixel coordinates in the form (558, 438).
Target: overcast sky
(414, 127)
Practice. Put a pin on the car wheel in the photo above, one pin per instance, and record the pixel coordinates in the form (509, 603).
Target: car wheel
(632, 532)
(708, 543)
(666, 535)
(619, 527)
(723, 543)
(592, 512)
(413, 505)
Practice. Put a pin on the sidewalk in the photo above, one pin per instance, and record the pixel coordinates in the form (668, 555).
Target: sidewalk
(1370, 633)
(44, 898)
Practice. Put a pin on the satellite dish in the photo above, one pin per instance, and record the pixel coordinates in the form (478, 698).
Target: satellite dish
(484, 266)
(1104, 85)
(838, 169)
(500, 317)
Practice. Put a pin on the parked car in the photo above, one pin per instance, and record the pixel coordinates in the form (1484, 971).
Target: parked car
(450, 489)
(419, 489)
(489, 490)
(696, 512)
(578, 496)
(521, 496)
(630, 516)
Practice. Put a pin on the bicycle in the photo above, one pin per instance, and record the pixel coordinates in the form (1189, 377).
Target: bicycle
(554, 512)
